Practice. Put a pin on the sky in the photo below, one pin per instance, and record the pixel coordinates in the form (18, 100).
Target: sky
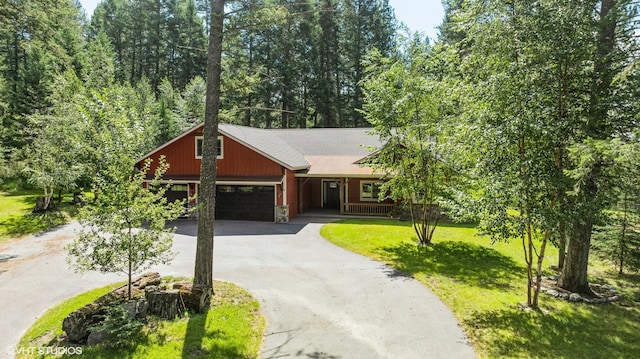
(418, 15)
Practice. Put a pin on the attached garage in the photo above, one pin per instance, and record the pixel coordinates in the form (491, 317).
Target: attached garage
(240, 202)
(177, 192)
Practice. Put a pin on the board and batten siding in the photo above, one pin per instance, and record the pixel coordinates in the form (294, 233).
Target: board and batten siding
(237, 159)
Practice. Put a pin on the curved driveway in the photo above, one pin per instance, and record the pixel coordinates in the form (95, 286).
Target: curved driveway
(320, 301)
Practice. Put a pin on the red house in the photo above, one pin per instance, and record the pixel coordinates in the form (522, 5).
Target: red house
(276, 174)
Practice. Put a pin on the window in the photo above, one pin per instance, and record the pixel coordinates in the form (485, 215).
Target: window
(200, 139)
(369, 190)
(179, 188)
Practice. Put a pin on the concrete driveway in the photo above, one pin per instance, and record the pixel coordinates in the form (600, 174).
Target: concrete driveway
(320, 301)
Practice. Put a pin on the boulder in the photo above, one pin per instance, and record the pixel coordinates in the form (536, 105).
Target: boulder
(136, 308)
(97, 337)
(575, 297)
(77, 324)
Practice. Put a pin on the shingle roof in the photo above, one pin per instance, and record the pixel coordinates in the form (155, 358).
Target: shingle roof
(299, 149)
(291, 146)
(267, 143)
(329, 141)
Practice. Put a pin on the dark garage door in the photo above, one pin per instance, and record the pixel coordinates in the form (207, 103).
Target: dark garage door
(177, 192)
(252, 203)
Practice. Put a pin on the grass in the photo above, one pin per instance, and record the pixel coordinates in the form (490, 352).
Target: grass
(485, 284)
(17, 219)
(232, 328)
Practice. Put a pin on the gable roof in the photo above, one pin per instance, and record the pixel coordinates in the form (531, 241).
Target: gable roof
(297, 149)
(266, 143)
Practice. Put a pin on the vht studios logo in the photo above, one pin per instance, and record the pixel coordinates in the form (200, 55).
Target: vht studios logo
(44, 350)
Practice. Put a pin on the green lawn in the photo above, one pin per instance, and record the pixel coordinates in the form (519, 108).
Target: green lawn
(232, 328)
(485, 284)
(17, 219)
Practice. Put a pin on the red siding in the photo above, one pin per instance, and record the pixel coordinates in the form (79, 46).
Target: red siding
(181, 156)
(316, 192)
(238, 160)
(292, 193)
(305, 194)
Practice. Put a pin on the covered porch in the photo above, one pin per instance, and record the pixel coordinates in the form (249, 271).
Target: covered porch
(343, 196)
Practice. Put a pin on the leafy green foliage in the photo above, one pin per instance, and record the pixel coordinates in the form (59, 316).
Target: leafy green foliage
(403, 102)
(617, 239)
(539, 138)
(124, 230)
(51, 158)
(120, 326)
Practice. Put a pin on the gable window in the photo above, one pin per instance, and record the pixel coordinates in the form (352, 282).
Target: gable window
(370, 190)
(200, 140)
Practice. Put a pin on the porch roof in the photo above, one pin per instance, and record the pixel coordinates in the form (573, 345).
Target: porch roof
(337, 166)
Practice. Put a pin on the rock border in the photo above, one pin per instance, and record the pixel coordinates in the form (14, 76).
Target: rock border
(605, 293)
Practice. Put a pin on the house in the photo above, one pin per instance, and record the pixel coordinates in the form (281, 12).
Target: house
(276, 174)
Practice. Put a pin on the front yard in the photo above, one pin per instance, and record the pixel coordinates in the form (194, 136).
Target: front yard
(484, 284)
(17, 219)
(232, 328)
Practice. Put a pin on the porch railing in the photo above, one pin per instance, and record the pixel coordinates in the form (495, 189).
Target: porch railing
(368, 209)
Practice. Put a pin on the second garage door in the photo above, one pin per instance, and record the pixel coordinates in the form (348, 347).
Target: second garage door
(252, 203)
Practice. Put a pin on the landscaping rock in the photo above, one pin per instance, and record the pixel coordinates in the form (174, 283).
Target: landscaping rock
(76, 325)
(575, 297)
(136, 308)
(553, 293)
(138, 285)
(97, 337)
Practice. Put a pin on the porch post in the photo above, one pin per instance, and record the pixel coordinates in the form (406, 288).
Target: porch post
(301, 184)
(346, 195)
(341, 183)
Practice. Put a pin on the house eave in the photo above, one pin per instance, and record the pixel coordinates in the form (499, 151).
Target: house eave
(338, 175)
(166, 144)
(257, 150)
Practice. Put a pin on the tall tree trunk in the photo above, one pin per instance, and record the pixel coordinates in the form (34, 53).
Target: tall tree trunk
(562, 243)
(574, 273)
(206, 216)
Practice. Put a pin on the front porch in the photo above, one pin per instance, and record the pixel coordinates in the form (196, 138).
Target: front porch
(343, 196)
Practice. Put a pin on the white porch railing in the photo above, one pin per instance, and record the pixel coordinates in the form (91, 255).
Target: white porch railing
(368, 209)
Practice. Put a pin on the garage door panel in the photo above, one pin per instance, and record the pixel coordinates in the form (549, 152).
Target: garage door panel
(254, 203)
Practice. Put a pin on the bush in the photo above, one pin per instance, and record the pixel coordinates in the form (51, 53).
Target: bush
(120, 325)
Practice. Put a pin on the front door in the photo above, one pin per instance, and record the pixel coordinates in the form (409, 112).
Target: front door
(331, 195)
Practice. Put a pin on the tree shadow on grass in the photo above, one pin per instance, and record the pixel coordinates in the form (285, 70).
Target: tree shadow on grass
(468, 263)
(18, 226)
(203, 342)
(600, 331)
